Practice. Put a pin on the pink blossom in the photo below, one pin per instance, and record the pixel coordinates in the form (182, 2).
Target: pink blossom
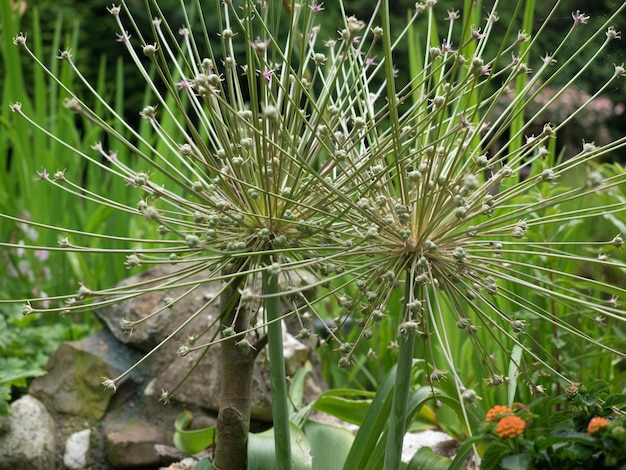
(44, 303)
(42, 255)
(267, 74)
(123, 37)
(476, 34)
(185, 84)
(579, 18)
(370, 61)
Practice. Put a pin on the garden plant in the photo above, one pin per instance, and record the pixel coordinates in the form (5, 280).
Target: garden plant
(278, 155)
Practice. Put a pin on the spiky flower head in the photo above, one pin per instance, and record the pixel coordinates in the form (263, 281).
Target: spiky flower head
(303, 154)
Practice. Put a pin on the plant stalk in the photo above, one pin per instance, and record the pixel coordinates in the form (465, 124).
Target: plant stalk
(233, 421)
(280, 403)
(399, 403)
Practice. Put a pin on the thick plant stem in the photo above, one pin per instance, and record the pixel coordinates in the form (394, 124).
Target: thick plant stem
(397, 421)
(280, 403)
(402, 386)
(233, 421)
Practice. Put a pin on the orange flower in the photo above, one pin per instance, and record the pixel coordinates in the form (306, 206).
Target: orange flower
(596, 423)
(498, 412)
(510, 427)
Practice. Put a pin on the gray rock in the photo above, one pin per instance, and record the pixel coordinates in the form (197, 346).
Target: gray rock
(130, 426)
(73, 384)
(133, 444)
(30, 442)
(150, 333)
(77, 450)
(165, 370)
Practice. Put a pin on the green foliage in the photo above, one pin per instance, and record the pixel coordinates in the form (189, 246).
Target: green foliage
(25, 345)
(314, 445)
(583, 428)
(27, 342)
(330, 447)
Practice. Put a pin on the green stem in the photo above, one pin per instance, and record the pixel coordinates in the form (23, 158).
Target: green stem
(280, 403)
(520, 82)
(397, 420)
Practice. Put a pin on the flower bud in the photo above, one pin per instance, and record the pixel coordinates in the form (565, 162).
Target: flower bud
(149, 50)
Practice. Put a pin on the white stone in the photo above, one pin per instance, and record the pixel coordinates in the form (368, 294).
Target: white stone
(414, 441)
(296, 353)
(29, 441)
(150, 389)
(186, 464)
(77, 450)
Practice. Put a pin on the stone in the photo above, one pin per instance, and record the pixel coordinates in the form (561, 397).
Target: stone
(438, 441)
(190, 302)
(185, 464)
(150, 333)
(132, 428)
(204, 386)
(296, 353)
(165, 370)
(133, 444)
(77, 448)
(30, 441)
(170, 455)
(5, 425)
(73, 384)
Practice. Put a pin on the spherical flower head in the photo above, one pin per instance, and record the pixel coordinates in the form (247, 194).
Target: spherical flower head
(510, 427)
(596, 424)
(498, 412)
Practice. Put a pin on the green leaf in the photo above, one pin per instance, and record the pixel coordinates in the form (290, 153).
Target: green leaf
(18, 379)
(516, 462)
(192, 441)
(373, 426)
(617, 222)
(297, 384)
(203, 464)
(426, 459)
(347, 407)
(516, 356)
(493, 456)
(262, 454)
(567, 437)
(616, 401)
(560, 419)
(463, 452)
(330, 445)
(5, 396)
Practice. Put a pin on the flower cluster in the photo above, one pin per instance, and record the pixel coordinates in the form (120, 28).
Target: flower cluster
(504, 422)
(498, 412)
(596, 424)
(509, 427)
(584, 424)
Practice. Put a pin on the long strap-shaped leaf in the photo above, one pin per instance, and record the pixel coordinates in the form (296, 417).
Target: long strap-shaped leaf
(373, 425)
